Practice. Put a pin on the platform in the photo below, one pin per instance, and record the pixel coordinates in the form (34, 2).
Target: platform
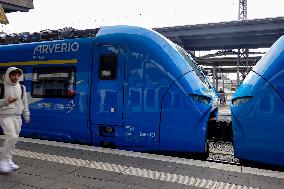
(224, 111)
(55, 165)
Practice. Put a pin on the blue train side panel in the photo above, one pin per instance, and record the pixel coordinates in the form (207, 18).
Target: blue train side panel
(158, 84)
(258, 110)
(134, 89)
(58, 119)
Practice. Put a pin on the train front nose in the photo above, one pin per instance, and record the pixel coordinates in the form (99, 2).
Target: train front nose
(245, 106)
(257, 121)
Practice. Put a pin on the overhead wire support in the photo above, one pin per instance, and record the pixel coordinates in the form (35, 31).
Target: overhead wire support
(242, 52)
(242, 10)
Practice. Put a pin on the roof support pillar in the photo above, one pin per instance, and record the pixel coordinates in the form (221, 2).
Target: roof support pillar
(243, 55)
(214, 75)
(238, 68)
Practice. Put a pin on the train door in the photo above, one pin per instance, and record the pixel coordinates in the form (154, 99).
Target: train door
(106, 109)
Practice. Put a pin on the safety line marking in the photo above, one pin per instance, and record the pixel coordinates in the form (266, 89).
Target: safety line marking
(132, 171)
(191, 162)
(37, 62)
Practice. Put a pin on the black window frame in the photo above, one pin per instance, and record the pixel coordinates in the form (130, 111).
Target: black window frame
(113, 69)
(55, 69)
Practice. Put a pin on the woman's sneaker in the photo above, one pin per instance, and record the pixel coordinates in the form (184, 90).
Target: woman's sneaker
(13, 165)
(5, 166)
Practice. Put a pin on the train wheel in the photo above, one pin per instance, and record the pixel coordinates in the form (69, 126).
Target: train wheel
(205, 154)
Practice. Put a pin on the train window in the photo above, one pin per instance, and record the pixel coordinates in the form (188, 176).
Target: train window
(107, 67)
(2, 74)
(53, 82)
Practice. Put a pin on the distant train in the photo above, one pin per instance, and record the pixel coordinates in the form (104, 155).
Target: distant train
(258, 110)
(128, 87)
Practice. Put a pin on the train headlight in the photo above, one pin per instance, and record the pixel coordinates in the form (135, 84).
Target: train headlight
(241, 100)
(200, 98)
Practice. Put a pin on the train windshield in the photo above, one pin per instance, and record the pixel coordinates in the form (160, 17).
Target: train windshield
(191, 63)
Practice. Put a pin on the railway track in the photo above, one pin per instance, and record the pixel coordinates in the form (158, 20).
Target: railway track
(223, 152)
(220, 151)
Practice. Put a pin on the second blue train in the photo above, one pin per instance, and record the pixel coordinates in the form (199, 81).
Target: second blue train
(258, 110)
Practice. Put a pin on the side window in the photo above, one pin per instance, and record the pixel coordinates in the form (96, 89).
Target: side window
(54, 82)
(2, 74)
(108, 67)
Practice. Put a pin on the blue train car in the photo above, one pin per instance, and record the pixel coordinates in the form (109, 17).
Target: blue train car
(258, 110)
(128, 86)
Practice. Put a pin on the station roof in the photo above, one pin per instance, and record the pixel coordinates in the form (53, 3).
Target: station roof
(228, 69)
(227, 61)
(257, 33)
(16, 5)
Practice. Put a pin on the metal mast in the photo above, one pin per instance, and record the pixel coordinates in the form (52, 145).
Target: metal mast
(242, 52)
(242, 10)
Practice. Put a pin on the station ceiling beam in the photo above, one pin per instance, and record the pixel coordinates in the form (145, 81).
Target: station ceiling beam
(228, 70)
(16, 5)
(226, 61)
(257, 33)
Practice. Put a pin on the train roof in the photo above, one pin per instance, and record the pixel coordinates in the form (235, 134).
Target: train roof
(145, 40)
(271, 64)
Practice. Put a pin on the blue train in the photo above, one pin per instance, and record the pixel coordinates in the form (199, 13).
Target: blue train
(258, 110)
(127, 86)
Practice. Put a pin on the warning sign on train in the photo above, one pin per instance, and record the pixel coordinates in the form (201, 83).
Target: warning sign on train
(3, 18)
